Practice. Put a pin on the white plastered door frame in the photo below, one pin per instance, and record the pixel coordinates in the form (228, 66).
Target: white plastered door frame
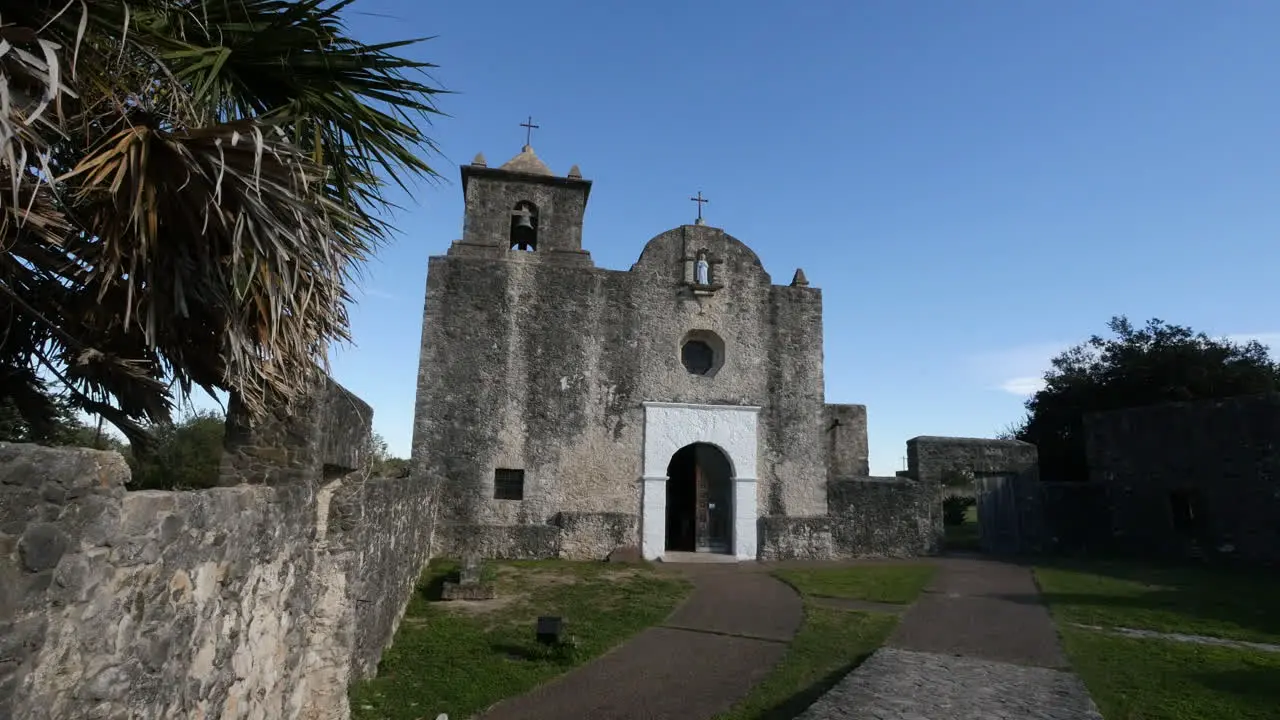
(671, 426)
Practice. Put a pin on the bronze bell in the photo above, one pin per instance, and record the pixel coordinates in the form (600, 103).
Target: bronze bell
(523, 234)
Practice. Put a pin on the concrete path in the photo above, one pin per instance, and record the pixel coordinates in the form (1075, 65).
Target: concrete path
(977, 645)
(724, 639)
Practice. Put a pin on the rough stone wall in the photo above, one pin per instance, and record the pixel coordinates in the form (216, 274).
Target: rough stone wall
(327, 431)
(930, 458)
(845, 429)
(796, 538)
(253, 601)
(1226, 450)
(543, 367)
(869, 517)
(885, 517)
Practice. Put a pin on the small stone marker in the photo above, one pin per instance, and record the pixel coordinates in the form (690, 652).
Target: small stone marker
(469, 586)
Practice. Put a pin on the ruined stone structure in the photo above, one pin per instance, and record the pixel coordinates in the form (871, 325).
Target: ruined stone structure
(1185, 479)
(257, 600)
(566, 410)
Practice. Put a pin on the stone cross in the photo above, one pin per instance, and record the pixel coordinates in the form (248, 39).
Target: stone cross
(529, 127)
(700, 200)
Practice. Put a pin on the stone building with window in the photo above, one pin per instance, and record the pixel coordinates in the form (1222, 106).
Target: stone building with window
(566, 410)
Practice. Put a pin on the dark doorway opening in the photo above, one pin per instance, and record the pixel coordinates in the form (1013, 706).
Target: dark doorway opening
(699, 500)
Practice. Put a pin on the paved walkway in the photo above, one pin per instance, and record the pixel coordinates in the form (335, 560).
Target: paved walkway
(724, 639)
(977, 645)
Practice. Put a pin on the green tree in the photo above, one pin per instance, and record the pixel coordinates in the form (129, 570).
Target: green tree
(381, 461)
(1139, 366)
(187, 187)
(182, 455)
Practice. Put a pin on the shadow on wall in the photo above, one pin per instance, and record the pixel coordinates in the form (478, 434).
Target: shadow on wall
(259, 599)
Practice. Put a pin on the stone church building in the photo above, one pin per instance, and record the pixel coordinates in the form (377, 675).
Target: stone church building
(566, 410)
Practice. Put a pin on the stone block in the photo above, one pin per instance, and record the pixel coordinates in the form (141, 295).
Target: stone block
(42, 546)
(473, 591)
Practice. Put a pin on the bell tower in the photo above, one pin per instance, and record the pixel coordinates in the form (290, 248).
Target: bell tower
(522, 207)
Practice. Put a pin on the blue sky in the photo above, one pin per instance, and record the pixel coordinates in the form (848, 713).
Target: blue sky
(974, 185)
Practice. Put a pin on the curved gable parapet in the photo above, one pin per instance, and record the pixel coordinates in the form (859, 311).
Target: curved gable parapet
(679, 244)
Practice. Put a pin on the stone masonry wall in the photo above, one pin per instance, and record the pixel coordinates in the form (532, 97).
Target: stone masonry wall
(325, 432)
(930, 458)
(1225, 451)
(870, 517)
(253, 601)
(885, 517)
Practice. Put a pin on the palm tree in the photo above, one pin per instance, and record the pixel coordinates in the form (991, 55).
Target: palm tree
(186, 189)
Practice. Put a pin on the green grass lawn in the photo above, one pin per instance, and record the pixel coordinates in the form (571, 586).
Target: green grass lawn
(967, 536)
(460, 657)
(1151, 679)
(831, 642)
(897, 583)
(1224, 603)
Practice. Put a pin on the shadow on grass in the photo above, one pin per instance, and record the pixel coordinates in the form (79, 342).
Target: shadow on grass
(1248, 598)
(1255, 685)
(553, 654)
(792, 706)
(433, 589)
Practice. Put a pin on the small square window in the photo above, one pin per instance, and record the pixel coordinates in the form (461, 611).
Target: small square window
(508, 484)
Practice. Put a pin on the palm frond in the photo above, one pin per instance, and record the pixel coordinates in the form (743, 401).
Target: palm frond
(187, 188)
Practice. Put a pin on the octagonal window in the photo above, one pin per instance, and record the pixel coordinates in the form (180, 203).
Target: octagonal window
(702, 352)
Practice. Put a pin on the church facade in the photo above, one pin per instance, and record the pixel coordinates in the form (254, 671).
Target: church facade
(568, 410)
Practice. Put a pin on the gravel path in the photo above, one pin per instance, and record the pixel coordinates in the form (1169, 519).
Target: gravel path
(977, 645)
(898, 684)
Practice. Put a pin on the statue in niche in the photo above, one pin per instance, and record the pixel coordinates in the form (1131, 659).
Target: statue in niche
(702, 269)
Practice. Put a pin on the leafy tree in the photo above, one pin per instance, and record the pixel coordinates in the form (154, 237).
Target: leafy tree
(186, 186)
(51, 420)
(381, 461)
(1139, 366)
(182, 455)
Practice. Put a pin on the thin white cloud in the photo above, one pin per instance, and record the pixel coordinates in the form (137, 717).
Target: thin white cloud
(1023, 386)
(372, 292)
(1020, 370)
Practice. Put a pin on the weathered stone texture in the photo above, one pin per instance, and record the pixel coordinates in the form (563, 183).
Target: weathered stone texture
(326, 432)
(530, 364)
(885, 517)
(1228, 451)
(252, 601)
(929, 458)
(845, 429)
(592, 536)
(796, 538)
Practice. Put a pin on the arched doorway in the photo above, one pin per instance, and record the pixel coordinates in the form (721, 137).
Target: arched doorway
(699, 500)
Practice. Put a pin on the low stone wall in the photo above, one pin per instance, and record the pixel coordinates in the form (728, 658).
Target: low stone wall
(869, 517)
(251, 601)
(323, 434)
(508, 542)
(795, 538)
(570, 535)
(930, 458)
(592, 536)
(885, 517)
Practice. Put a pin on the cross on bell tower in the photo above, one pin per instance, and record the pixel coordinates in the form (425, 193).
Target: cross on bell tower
(529, 127)
(700, 200)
